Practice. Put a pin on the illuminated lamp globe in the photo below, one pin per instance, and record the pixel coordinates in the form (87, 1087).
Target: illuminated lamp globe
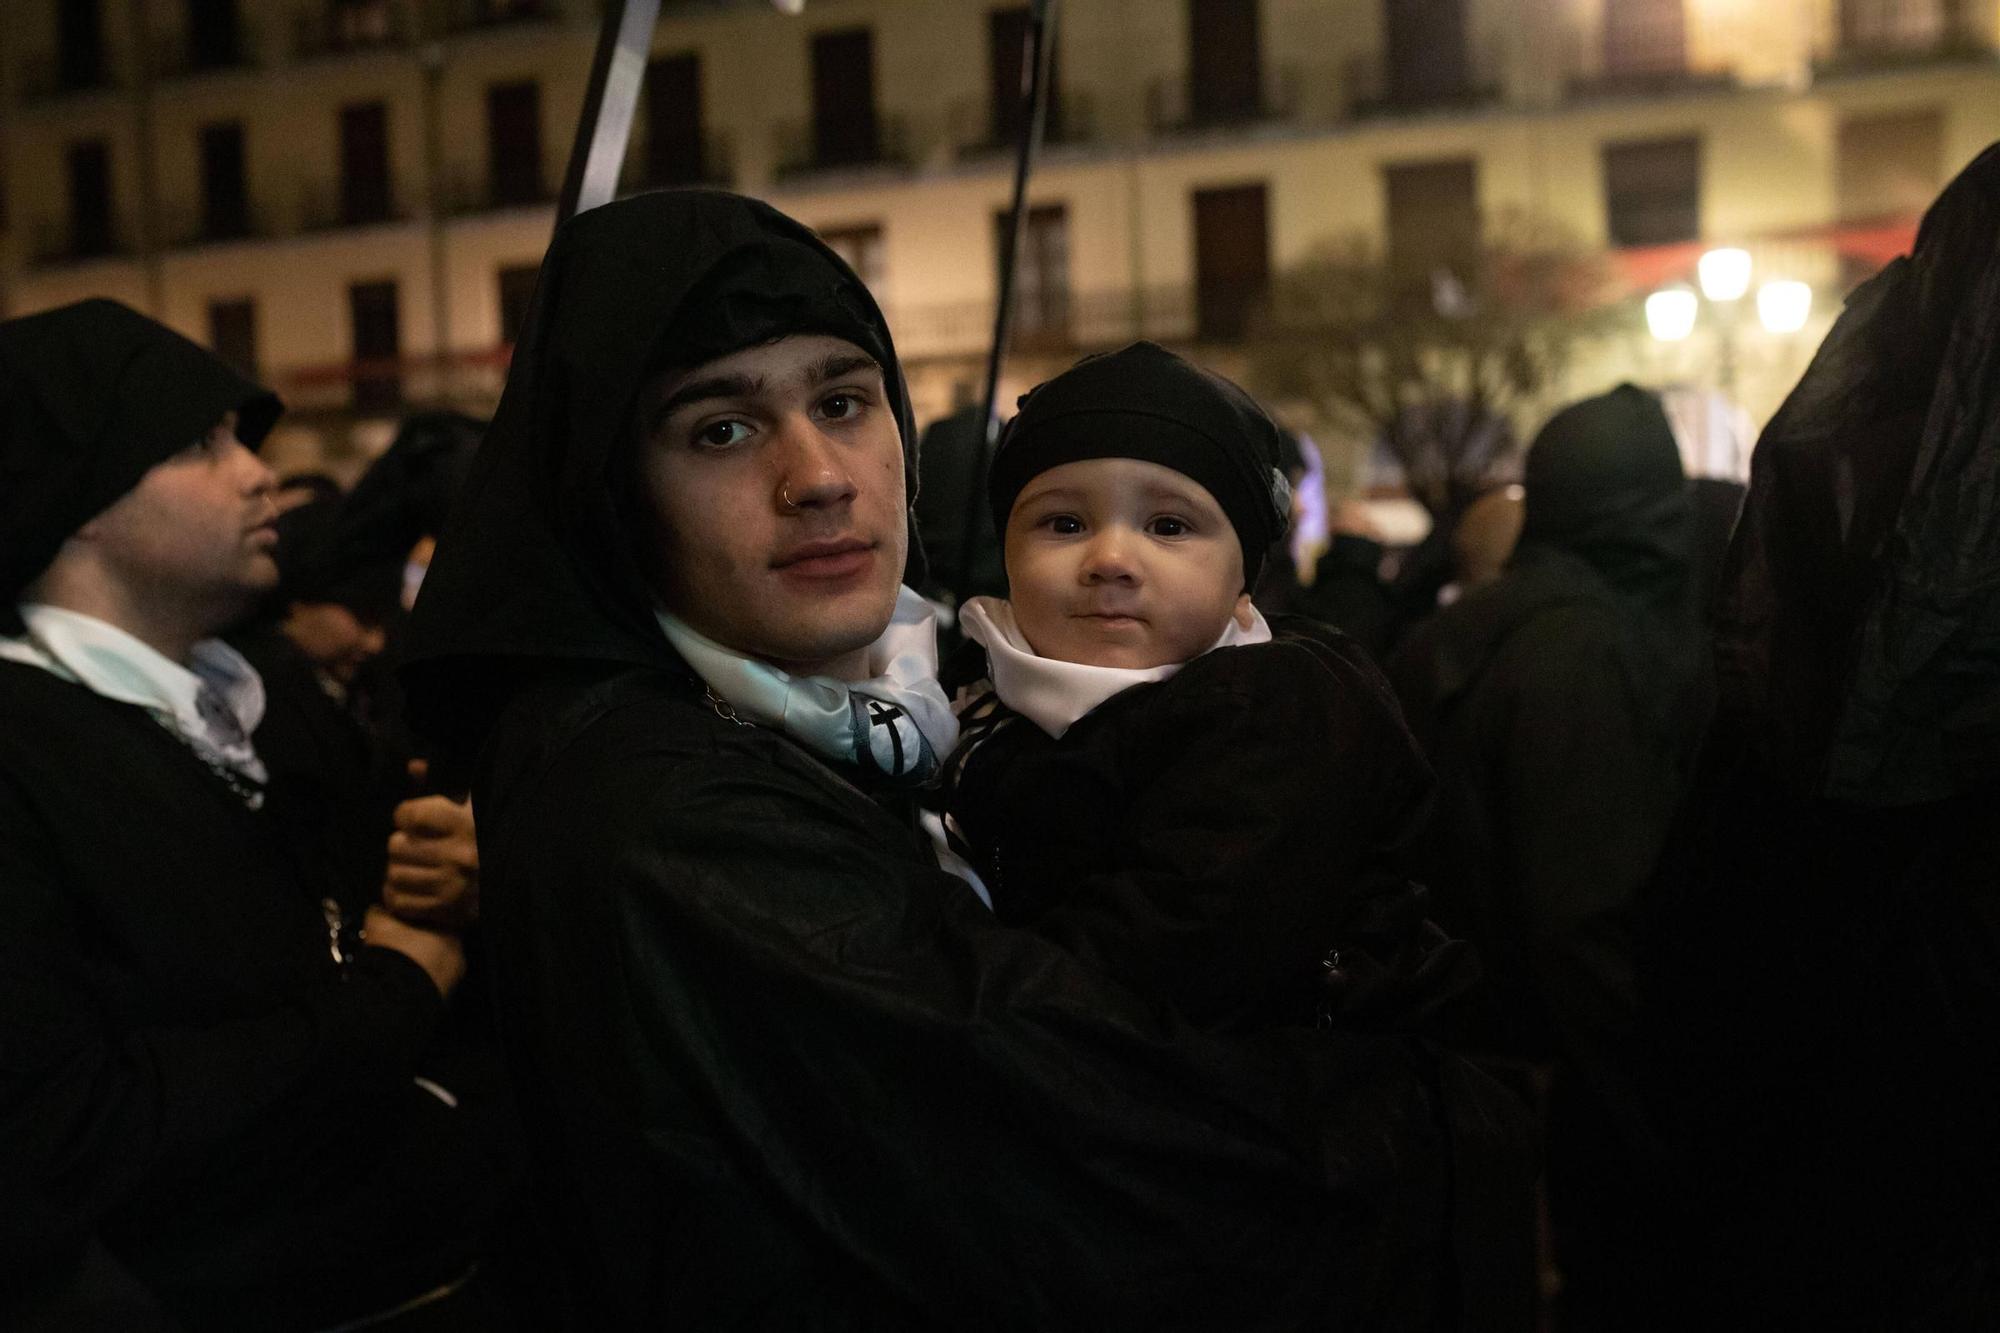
(1670, 313)
(1725, 274)
(1784, 305)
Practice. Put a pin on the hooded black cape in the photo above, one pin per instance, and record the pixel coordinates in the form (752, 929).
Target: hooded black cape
(779, 1070)
(1826, 985)
(1562, 704)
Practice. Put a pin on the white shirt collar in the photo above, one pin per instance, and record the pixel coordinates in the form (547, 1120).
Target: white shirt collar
(831, 716)
(1056, 695)
(110, 662)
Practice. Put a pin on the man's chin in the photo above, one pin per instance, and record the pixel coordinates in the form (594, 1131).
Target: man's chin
(827, 631)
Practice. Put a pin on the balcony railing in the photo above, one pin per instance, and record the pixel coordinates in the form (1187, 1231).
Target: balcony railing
(1887, 34)
(45, 79)
(801, 151)
(195, 225)
(467, 193)
(1175, 106)
(337, 30)
(328, 205)
(481, 15)
(177, 55)
(710, 163)
(53, 243)
(976, 129)
(1374, 90)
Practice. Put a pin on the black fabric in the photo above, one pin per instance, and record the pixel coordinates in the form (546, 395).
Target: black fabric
(1211, 839)
(1144, 402)
(184, 1071)
(92, 396)
(359, 544)
(951, 461)
(1562, 704)
(322, 758)
(1825, 982)
(1858, 633)
(779, 1071)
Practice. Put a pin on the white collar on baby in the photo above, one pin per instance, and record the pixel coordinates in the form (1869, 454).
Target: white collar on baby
(213, 704)
(1055, 695)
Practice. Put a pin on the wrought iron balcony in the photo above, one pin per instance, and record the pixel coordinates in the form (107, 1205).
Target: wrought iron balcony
(652, 166)
(1177, 105)
(978, 129)
(54, 243)
(46, 78)
(338, 29)
(804, 148)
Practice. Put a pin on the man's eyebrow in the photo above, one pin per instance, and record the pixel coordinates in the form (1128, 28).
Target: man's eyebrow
(840, 364)
(701, 390)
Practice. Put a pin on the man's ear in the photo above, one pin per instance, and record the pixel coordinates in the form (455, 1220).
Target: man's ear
(1244, 611)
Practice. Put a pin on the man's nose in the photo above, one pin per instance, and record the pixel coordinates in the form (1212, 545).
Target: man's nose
(812, 474)
(258, 478)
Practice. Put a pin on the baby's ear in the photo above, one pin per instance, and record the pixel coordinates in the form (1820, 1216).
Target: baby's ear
(1244, 611)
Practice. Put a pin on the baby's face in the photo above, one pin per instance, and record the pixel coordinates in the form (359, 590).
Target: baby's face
(1114, 562)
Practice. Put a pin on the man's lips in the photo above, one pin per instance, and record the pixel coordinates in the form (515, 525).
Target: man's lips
(833, 558)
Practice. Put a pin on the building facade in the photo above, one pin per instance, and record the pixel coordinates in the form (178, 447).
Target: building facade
(350, 197)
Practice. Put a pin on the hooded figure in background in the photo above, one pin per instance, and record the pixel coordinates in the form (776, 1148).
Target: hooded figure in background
(1561, 703)
(1827, 979)
(204, 1073)
(778, 1069)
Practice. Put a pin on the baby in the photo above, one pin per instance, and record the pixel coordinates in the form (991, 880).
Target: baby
(1149, 773)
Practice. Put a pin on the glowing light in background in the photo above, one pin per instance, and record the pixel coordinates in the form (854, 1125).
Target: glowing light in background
(1725, 274)
(1670, 313)
(1784, 305)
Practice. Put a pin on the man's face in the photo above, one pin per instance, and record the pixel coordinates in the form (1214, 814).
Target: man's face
(198, 531)
(774, 480)
(1119, 563)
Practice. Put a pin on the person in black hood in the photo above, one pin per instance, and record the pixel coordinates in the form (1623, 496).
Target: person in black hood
(202, 1068)
(778, 1069)
(1826, 977)
(1560, 704)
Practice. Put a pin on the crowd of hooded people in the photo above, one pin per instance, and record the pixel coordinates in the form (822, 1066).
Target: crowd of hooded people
(1612, 943)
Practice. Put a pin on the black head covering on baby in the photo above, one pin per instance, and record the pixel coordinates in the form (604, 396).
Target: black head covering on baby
(93, 396)
(1144, 402)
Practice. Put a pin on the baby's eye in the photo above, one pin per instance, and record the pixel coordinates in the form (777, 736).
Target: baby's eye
(721, 434)
(1166, 525)
(1066, 525)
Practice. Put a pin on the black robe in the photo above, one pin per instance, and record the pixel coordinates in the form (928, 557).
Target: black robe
(1825, 983)
(779, 1070)
(1212, 840)
(184, 1070)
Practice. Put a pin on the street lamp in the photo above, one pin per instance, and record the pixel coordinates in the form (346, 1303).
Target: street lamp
(1724, 273)
(1784, 305)
(1670, 313)
(1725, 277)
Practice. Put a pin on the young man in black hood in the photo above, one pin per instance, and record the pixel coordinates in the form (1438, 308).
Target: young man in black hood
(202, 1070)
(780, 1070)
